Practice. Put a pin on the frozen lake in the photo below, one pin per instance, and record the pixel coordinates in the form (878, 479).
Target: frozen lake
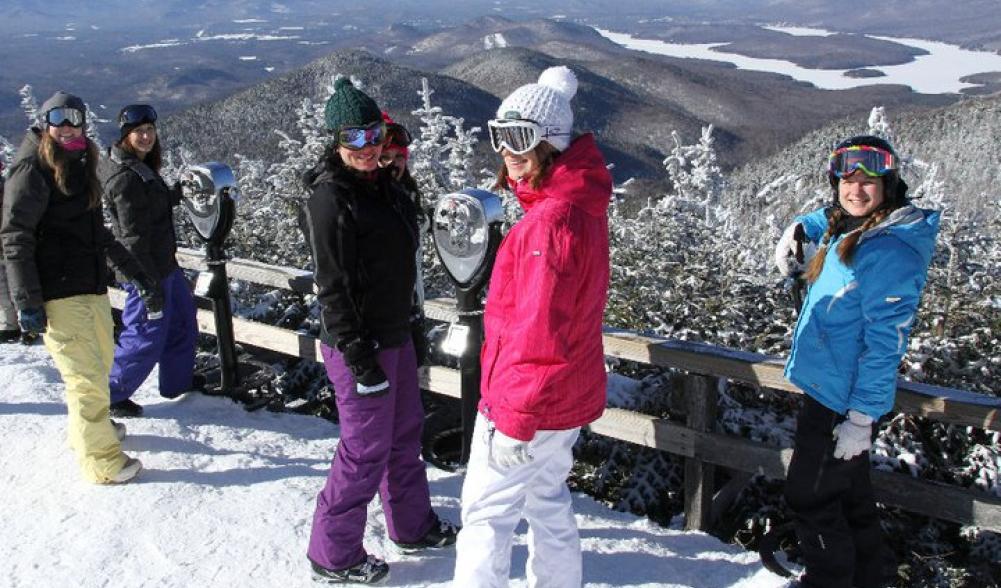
(939, 72)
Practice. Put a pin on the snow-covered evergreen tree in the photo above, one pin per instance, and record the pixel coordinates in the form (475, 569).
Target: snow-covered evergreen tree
(695, 175)
(7, 152)
(29, 104)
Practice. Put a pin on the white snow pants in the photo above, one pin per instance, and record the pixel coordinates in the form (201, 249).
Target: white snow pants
(495, 500)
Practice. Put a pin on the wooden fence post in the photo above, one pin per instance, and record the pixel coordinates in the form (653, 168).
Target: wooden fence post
(700, 399)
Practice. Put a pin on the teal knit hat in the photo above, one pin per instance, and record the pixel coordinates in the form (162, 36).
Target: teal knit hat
(349, 107)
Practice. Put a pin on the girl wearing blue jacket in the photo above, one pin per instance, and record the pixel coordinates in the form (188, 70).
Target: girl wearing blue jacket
(873, 249)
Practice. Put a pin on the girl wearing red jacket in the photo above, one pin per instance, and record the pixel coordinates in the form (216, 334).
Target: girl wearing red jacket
(543, 364)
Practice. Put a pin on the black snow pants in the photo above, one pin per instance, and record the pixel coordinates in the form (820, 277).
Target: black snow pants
(837, 523)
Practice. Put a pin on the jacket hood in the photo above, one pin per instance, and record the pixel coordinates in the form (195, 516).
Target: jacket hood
(62, 99)
(29, 145)
(578, 176)
(915, 227)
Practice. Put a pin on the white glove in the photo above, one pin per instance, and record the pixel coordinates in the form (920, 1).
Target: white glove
(794, 251)
(853, 435)
(507, 452)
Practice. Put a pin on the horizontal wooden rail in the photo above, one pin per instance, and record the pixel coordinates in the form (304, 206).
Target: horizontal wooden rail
(948, 405)
(252, 271)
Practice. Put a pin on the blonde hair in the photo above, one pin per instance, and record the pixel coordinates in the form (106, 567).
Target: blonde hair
(53, 158)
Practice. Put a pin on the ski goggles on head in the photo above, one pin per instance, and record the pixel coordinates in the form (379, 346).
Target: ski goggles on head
(356, 138)
(516, 135)
(136, 114)
(872, 161)
(58, 117)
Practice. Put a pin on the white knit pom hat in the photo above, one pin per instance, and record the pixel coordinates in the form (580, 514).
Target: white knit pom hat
(546, 103)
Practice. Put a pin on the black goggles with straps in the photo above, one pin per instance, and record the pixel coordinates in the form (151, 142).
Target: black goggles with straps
(64, 115)
(136, 114)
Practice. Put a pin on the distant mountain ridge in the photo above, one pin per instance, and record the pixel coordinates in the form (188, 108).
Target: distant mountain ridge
(245, 122)
(632, 101)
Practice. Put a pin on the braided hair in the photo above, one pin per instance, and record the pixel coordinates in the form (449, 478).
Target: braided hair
(838, 219)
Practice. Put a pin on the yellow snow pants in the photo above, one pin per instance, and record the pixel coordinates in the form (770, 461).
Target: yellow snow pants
(80, 338)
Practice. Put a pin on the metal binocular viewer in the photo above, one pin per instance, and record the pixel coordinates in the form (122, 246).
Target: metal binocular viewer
(210, 194)
(466, 227)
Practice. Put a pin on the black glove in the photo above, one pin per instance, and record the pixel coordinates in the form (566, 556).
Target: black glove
(422, 348)
(149, 292)
(370, 380)
(32, 320)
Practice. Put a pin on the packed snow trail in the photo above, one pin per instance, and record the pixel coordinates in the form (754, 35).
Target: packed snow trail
(226, 499)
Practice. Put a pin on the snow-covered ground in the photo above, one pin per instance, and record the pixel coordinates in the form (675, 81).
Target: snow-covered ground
(227, 496)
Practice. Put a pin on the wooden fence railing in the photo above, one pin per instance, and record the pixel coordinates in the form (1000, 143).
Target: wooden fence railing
(696, 440)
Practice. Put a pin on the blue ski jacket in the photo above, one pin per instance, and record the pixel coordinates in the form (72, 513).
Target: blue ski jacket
(855, 321)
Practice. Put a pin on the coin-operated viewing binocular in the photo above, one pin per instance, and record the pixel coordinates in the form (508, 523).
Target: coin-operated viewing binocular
(466, 227)
(210, 194)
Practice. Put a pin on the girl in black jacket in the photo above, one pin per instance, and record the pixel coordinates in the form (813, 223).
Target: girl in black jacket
(362, 229)
(56, 249)
(142, 215)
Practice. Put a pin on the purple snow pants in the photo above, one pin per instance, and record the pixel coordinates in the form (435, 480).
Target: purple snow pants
(169, 341)
(380, 450)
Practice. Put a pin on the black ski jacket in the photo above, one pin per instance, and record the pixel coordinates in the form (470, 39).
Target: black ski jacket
(142, 211)
(54, 244)
(362, 232)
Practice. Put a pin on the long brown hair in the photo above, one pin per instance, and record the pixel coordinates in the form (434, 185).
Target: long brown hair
(154, 159)
(545, 153)
(56, 160)
(846, 249)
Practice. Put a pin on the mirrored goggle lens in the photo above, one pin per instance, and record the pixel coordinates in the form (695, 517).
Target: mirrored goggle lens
(398, 135)
(58, 117)
(137, 114)
(517, 138)
(873, 161)
(357, 138)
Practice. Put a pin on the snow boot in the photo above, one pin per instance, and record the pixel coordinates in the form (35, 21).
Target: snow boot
(128, 472)
(119, 430)
(125, 408)
(370, 571)
(10, 335)
(442, 534)
(773, 541)
(29, 338)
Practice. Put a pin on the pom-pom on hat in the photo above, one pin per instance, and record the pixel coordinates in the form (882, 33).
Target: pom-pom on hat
(349, 107)
(547, 103)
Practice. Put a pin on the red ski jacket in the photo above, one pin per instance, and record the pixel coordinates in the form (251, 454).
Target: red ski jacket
(543, 362)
